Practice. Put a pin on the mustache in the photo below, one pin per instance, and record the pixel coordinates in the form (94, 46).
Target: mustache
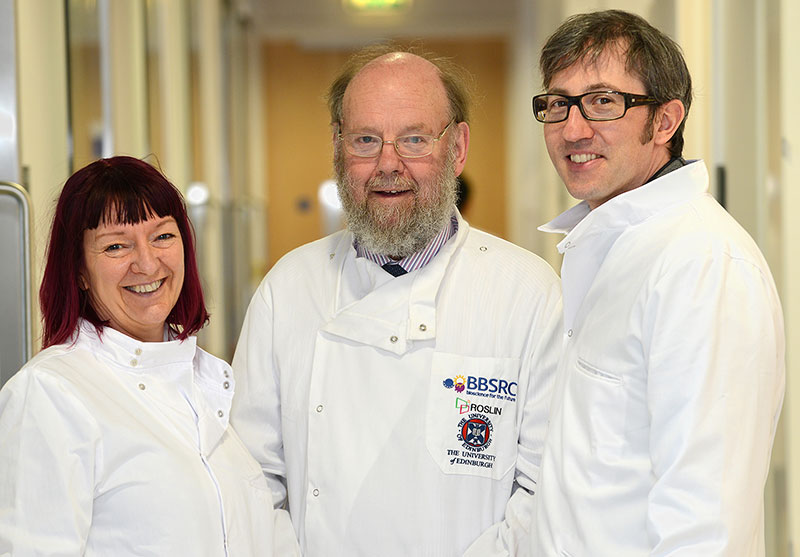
(382, 182)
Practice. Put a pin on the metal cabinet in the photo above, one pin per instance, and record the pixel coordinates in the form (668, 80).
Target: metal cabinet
(15, 280)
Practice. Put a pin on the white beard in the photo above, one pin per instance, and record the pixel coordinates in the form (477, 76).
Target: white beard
(398, 231)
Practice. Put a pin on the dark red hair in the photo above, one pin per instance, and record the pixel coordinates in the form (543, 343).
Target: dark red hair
(120, 190)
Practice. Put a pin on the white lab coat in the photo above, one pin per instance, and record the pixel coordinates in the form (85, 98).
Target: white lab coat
(670, 384)
(349, 391)
(120, 447)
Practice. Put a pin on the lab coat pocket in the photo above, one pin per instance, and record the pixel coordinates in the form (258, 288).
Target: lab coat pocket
(470, 423)
(602, 395)
(247, 501)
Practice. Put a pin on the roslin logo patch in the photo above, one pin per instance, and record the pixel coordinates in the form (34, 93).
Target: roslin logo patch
(462, 405)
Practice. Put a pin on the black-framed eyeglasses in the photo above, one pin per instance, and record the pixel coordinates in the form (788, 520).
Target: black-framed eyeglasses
(596, 106)
(411, 146)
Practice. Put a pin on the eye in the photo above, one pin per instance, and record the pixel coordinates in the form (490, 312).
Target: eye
(558, 102)
(165, 236)
(112, 248)
(413, 139)
(601, 99)
(365, 139)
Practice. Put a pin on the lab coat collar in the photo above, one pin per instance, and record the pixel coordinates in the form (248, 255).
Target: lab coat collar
(133, 354)
(173, 362)
(389, 313)
(631, 207)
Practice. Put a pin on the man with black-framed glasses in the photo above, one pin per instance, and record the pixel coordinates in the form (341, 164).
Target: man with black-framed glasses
(393, 379)
(671, 378)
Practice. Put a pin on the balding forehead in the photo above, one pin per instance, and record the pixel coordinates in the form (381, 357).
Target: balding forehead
(399, 73)
(399, 58)
(402, 62)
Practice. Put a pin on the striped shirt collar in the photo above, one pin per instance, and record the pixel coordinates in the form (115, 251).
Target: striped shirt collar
(415, 260)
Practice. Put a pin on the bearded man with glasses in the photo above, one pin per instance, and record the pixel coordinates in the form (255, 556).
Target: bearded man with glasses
(671, 379)
(393, 379)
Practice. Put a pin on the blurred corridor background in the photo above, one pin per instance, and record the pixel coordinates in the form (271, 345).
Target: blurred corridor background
(227, 98)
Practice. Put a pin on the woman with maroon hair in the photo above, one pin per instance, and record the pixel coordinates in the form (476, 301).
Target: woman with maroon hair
(115, 438)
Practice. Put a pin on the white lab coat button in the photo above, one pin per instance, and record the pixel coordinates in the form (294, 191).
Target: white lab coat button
(141, 386)
(483, 248)
(225, 385)
(423, 327)
(134, 362)
(138, 351)
(220, 413)
(315, 492)
(393, 339)
(226, 374)
(569, 333)
(319, 408)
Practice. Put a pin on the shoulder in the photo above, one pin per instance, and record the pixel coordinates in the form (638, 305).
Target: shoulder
(488, 255)
(309, 255)
(307, 262)
(58, 374)
(55, 361)
(703, 230)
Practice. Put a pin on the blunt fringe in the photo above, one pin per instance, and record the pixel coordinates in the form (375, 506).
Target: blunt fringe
(122, 190)
(458, 82)
(649, 54)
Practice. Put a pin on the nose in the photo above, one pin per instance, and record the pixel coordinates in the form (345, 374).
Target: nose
(389, 162)
(146, 260)
(576, 127)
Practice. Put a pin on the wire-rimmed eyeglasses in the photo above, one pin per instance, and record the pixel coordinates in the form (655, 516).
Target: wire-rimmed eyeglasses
(596, 106)
(411, 146)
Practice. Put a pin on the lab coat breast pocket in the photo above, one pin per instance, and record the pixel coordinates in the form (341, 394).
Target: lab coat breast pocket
(601, 394)
(471, 418)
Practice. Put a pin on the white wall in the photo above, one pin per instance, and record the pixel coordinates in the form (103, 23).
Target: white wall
(789, 181)
(44, 149)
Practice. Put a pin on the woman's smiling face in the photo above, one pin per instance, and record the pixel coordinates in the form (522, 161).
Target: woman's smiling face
(133, 274)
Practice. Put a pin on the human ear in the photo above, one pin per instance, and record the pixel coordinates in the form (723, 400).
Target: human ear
(82, 283)
(461, 145)
(669, 117)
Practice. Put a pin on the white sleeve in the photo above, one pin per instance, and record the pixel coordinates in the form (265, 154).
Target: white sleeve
(713, 339)
(537, 377)
(49, 450)
(256, 410)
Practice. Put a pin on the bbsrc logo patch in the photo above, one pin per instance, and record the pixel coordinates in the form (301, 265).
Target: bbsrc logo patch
(475, 432)
(458, 383)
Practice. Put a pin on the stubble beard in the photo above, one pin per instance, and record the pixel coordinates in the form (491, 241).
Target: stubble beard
(398, 231)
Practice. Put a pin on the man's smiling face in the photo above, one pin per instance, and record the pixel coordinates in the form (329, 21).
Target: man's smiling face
(396, 205)
(599, 160)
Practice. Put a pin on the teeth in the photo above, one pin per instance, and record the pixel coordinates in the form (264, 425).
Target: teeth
(145, 288)
(393, 191)
(584, 157)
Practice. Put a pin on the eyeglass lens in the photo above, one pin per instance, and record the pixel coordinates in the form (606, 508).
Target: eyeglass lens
(406, 145)
(597, 106)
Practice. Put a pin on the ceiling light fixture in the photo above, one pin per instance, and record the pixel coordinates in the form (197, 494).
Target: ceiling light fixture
(377, 6)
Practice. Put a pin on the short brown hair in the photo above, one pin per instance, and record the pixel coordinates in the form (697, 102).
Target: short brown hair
(458, 83)
(649, 54)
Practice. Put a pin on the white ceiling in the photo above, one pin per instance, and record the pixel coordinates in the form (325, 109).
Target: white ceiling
(324, 23)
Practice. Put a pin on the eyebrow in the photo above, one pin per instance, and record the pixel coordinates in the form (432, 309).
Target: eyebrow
(588, 89)
(417, 127)
(119, 228)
